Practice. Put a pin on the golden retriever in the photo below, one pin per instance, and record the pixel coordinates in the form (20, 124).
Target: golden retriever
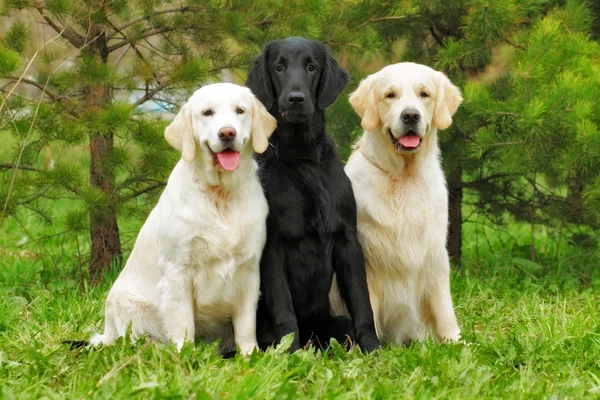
(402, 201)
(194, 269)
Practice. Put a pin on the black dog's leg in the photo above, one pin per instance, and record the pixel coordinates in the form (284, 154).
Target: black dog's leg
(276, 297)
(349, 267)
(340, 328)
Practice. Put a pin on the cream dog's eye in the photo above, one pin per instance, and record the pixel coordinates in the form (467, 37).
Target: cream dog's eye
(207, 112)
(424, 94)
(390, 95)
(240, 110)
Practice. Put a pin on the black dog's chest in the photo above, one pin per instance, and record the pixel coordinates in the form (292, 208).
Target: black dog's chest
(300, 199)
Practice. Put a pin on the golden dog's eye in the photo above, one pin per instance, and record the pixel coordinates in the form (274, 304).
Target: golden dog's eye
(310, 68)
(240, 110)
(424, 94)
(280, 68)
(207, 112)
(390, 95)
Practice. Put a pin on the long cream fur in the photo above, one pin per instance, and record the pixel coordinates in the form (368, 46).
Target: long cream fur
(194, 269)
(403, 203)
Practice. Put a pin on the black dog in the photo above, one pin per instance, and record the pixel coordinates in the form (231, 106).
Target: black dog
(311, 228)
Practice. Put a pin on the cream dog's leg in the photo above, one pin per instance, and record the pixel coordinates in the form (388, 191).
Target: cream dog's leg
(244, 308)
(177, 306)
(438, 302)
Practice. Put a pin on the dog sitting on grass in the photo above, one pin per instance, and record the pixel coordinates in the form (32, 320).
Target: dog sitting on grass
(194, 269)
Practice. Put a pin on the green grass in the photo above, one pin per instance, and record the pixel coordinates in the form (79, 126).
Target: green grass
(531, 331)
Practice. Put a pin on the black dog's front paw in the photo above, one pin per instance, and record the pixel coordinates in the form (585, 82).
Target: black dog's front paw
(369, 343)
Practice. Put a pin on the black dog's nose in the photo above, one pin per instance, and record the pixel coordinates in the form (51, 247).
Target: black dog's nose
(227, 134)
(410, 116)
(296, 97)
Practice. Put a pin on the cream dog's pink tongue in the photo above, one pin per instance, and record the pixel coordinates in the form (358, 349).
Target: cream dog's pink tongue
(229, 160)
(411, 141)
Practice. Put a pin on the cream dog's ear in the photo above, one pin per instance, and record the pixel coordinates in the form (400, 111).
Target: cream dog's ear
(365, 104)
(263, 125)
(180, 134)
(446, 103)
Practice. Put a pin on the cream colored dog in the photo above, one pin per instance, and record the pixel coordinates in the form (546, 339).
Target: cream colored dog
(194, 269)
(402, 201)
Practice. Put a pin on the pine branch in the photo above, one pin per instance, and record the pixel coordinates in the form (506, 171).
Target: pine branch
(147, 33)
(135, 49)
(167, 28)
(376, 19)
(68, 33)
(437, 37)
(15, 167)
(149, 95)
(54, 96)
(156, 14)
(144, 190)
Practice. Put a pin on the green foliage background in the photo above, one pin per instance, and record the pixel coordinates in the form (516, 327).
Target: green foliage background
(525, 145)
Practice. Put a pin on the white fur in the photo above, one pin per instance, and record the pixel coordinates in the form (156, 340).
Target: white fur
(194, 269)
(403, 204)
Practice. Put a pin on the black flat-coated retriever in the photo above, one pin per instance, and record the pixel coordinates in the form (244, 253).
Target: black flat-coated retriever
(311, 228)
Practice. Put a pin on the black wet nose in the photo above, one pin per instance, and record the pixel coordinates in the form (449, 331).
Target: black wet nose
(410, 116)
(227, 134)
(296, 98)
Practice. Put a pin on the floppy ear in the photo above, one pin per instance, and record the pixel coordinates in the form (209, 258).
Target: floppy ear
(259, 81)
(447, 102)
(365, 104)
(263, 125)
(180, 134)
(333, 81)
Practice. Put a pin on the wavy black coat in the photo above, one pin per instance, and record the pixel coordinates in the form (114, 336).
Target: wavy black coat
(311, 227)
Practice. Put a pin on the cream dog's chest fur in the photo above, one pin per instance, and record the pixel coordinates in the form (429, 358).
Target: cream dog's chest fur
(401, 225)
(222, 243)
(398, 216)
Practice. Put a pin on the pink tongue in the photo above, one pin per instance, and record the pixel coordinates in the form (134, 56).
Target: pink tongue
(229, 160)
(410, 142)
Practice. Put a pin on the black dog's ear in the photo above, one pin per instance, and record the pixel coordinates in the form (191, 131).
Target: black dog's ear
(258, 80)
(333, 81)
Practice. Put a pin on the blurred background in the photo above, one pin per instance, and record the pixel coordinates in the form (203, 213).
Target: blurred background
(88, 86)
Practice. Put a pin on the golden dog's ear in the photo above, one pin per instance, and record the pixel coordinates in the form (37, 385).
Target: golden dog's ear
(263, 125)
(180, 134)
(446, 103)
(365, 104)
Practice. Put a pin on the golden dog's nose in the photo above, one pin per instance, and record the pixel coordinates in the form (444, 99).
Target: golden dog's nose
(410, 116)
(227, 134)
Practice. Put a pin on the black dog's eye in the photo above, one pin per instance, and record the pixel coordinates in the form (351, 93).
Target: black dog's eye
(423, 94)
(280, 68)
(240, 110)
(207, 112)
(310, 68)
(390, 95)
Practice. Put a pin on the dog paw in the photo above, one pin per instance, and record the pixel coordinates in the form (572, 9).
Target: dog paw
(369, 343)
(451, 336)
(248, 349)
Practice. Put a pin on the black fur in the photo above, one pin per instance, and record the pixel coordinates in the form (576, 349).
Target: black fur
(311, 228)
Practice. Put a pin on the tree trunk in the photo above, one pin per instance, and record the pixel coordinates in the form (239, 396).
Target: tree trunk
(104, 230)
(455, 215)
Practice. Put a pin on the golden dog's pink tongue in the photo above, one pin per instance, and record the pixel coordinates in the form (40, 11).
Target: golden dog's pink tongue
(229, 160)
(410, 142)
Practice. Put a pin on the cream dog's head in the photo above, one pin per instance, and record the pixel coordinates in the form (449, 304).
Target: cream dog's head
(219, 120)
(406, 101)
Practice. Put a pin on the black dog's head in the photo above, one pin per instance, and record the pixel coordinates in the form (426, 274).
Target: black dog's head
(298, 75)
